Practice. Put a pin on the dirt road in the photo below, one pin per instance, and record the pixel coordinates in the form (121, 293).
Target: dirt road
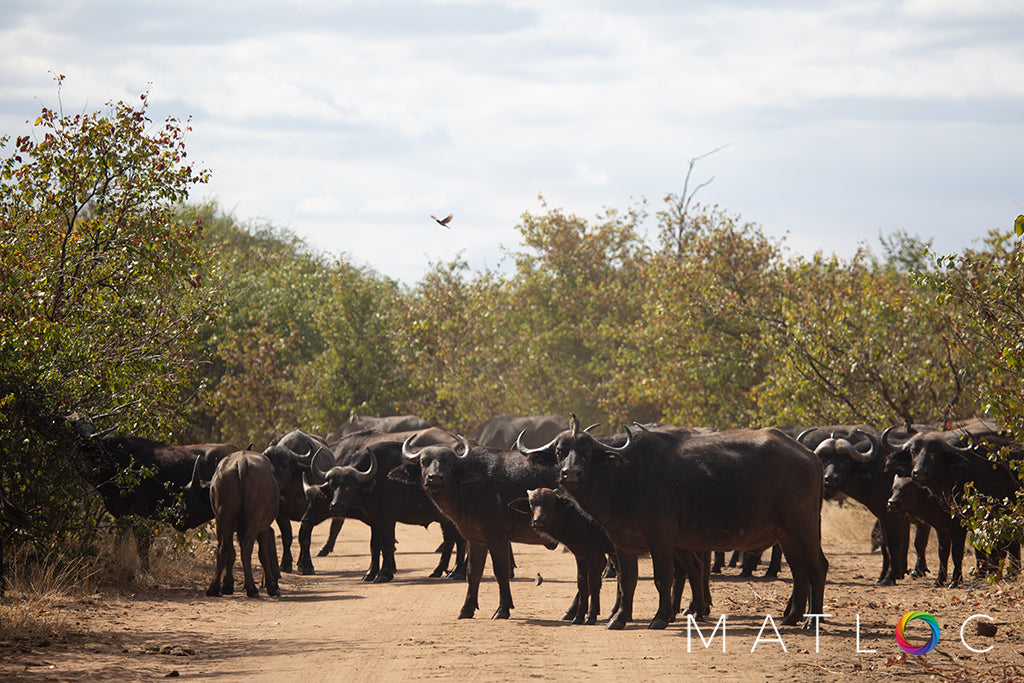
(330, 626)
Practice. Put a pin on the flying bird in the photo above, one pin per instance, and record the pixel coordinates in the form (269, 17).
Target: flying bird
(443, 222)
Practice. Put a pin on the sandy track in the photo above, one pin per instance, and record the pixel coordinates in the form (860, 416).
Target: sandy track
(332, 626)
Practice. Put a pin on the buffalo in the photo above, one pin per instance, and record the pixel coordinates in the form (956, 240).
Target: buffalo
(318, 507)
(362, 490)
(367, 423)
(556, 515)
(918, 503)
(473, 488)
(155, 494)
(244, 496)
(854, 466)
(941, 462)
(501, 431)
(658, 492)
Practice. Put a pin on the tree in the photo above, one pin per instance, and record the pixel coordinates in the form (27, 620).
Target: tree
(101, 292)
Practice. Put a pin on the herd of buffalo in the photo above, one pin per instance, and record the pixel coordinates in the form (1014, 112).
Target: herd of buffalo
(679, 495)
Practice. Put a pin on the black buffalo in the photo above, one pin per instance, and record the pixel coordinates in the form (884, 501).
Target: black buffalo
(556, 515)
(244, 496)
(291, 456)
(855, 466)
(473, 488)
(920, 504)
(501, 431)
(362, 490)
(367, 423)
(165, 471)
(317, 507)
(658, 492)
(945, 462)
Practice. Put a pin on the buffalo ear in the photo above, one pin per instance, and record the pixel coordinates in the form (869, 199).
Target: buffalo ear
(521, 505)
(405, 474)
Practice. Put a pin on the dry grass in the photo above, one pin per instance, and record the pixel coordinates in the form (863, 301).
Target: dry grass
(41, 594)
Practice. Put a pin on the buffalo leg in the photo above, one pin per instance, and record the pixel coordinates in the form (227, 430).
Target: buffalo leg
(896, 531)
(332, 537)
(921, 549)
(375, 545)
(305, 563)
(268, 560)
(246, 544)
(477, 560)
(594, 566)
(957, 540)
(716, 567)
(582, 600)
(501, 559)
(225, 558)
(775, 563)
(627, 565)
(285, 525)
(694, 568)
(386, 540)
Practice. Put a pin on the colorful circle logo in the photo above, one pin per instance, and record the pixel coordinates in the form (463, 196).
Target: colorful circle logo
(902, 626)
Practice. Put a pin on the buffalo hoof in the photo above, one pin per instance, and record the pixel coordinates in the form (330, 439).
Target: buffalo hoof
(591, 620)
(306, 569)
(466, 614)
(436, 574)
(569, 615)
(369, 578)
(771, 575)
(252, 591)
(286, 567)
(227, 589)
(274, 591)
(616, 625)
(213, 593)
(457, 575)
(501, 613)
(887, 581)
(325, 551)
(658, 625)
(793, 620)
(383, 578)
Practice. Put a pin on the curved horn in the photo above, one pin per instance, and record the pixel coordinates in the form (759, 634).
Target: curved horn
(195, 473)
(407, 454)
(888, 445)
(800, 439)
(872, 447)
(521, 447)
(962, 450)
(618, 449)
(363, 477)
(465, 447)
(307, 488)
(314, 468)
(596, 424)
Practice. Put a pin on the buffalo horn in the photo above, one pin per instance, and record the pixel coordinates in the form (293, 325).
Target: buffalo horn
(618, 449)
(465, 447)
(867, 456)
(307, 488)
(521, 447)
(366, 476)
(195, 472)
(314, 468)
(800, 439)
(407, 454)
(963, 450)
(888, 445)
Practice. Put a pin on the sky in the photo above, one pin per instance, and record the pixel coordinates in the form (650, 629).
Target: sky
(352, 122)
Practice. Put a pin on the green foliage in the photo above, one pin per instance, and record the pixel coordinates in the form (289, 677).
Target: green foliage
(101, 291)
